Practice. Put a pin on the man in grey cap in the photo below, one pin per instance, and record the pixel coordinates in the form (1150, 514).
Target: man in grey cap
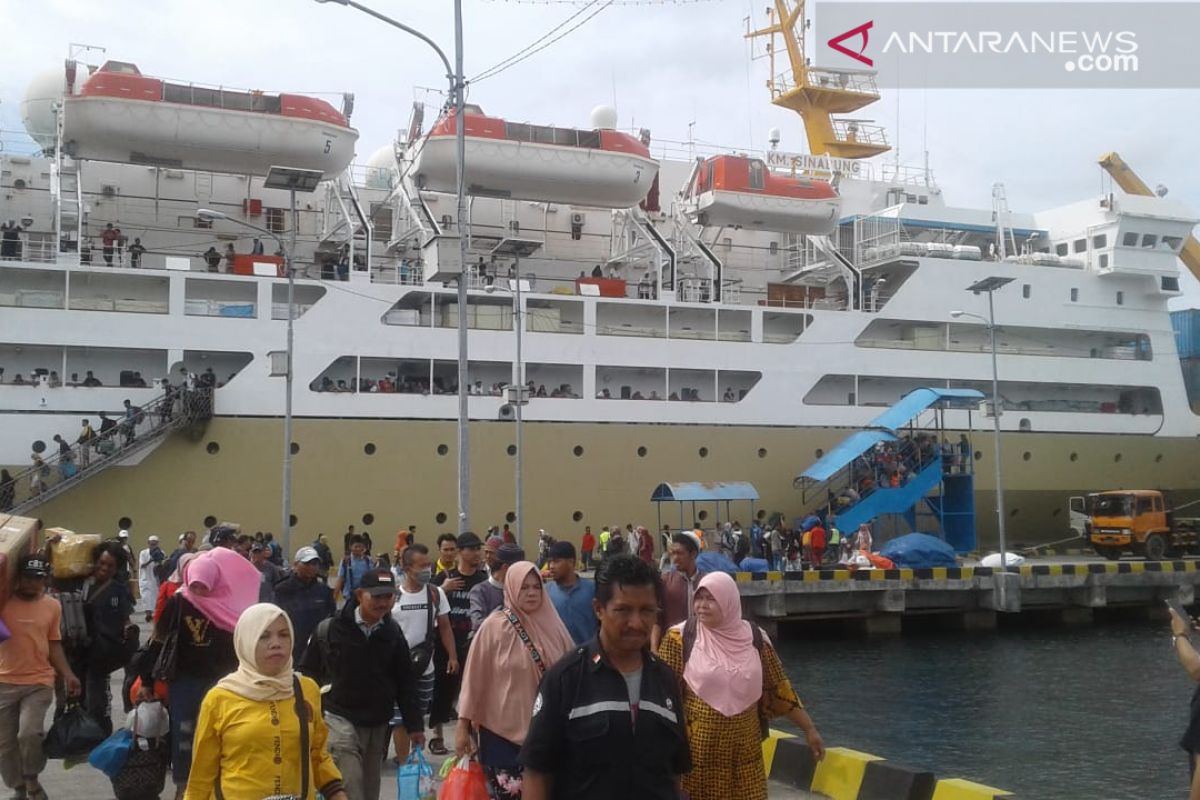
(305, 598)
(489, 595)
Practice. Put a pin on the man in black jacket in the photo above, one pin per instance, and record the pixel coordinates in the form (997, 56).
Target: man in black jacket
(305, 597)
(362, 654)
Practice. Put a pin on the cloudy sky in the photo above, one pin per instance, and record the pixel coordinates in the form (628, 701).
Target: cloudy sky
(664, 65)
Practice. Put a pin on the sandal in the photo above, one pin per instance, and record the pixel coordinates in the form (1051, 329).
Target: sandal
(437, 747)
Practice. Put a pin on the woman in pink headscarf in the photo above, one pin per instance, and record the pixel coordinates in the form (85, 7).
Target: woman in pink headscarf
(216, 587)
(509, 654)
(732, 681)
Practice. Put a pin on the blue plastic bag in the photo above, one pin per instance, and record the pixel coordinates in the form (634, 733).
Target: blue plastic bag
(110, 755)
(414, 780)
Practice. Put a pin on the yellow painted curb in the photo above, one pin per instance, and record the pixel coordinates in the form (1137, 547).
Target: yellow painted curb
(768, 747)
(840, 774)
(960, 789)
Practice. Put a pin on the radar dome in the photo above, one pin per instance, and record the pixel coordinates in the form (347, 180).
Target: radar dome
(37, 108)
(773, 136)
(381, 168)
(604, 118)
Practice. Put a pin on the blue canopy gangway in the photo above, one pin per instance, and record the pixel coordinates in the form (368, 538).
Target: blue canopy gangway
(694, 492)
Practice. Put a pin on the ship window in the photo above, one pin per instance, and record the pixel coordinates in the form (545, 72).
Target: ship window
(239, 101)
(1173, 242)
(1170, 284)
(205, 97)
(276, 219)
(1120, 298)
(565, 136)
(1074, 295)
(174, 93)
(910, 198)
(1149, 240)
(542, 134)
(588, 139)
(1104, 261)
(923, 200)
(757, 179)
(1080, 246)
(1026, 290)
(1061, 249)
(1129, 240)
(1100, 241)
(517, 131)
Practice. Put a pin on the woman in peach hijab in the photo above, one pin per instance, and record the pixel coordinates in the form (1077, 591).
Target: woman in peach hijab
(511, 651)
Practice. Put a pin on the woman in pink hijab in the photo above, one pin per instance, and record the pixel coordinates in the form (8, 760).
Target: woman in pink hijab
(509, 654)
(732, 681)
(216, 587)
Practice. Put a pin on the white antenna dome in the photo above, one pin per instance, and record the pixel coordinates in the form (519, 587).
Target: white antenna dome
(381, 168)
(37, 108)
(773, 136)
(604, 118)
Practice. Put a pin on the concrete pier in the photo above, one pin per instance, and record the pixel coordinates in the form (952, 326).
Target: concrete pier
(966, 598)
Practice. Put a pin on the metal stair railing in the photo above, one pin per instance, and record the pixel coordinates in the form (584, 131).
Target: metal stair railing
(59, 472)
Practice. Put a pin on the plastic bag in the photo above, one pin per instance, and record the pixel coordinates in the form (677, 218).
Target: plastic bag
(148, 720)
(73, 734)
(414, 780)
(466, 781)
(110, 755)
(71, 555)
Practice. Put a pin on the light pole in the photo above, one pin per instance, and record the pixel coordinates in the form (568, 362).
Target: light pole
(457, 89)
(293, 180)
(517, 393)
(990, 285)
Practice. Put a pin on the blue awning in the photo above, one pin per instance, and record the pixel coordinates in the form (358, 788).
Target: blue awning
(918, 400)
(703, 491)
(849, 449)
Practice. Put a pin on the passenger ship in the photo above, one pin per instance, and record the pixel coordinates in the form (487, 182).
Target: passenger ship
(682, 316)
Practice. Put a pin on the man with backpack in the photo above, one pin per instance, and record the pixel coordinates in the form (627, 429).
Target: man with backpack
(363, 658)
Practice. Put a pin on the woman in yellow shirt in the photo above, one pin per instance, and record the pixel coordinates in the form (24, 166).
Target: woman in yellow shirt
(249, 737)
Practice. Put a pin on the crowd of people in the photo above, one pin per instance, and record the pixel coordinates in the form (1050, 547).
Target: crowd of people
(291, 679)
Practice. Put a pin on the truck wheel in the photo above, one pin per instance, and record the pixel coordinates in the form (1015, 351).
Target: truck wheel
(1156, 547)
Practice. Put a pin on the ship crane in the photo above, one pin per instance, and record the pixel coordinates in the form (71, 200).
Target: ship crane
(1130, 183)
(817, 93)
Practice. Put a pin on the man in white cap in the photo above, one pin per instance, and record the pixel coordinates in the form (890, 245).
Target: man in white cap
(148, 559)
(305, 598)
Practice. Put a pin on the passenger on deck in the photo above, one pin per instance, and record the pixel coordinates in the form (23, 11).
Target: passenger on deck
(257, 248)
(230, 254)
(109, 240)
(135, 253)
(729, 396)
(597, 272)
(122, 240)
(10, 241)
(18, 381)
(212, 258)
(55, 381)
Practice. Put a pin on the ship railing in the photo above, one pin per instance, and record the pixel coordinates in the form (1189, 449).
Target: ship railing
(56, 471)
(859, 131)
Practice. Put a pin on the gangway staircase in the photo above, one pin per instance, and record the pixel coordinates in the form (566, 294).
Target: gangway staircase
(852, 480)
(180, 409)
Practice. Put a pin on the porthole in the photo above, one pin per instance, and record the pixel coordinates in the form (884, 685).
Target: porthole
(760, 514)
(213, 448)
(1027, 455)
(292, 520)
(369, 448)
(1158, 458)
(577, 516)
(124, 523)
(510, 517)
(703, 452)
(511, 449)
(1014, 512)
(641, 451)
(1074, 456)
(39, 446)
(443, 449)
(295, 448)
(1025, 424)
(210, 521)
(578, 451)
(819, 453)
(979, 455)
(703, 515)
(368, 519)
(1117, 457)
(441, 515)
(762, 452)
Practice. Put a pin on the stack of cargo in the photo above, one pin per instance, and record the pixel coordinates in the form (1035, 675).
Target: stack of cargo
(18, 537)
(1186, 325)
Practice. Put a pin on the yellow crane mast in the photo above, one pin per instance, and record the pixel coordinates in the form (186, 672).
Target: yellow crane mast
(817, 93)
(1130, 183)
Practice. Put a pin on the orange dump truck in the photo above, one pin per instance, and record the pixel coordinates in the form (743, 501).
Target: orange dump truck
(1139, 521)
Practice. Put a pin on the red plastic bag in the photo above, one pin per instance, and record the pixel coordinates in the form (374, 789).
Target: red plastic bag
(465, 782)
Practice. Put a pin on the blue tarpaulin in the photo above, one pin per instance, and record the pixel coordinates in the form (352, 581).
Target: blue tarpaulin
(703, 492)
(919, 551)
(710, 561)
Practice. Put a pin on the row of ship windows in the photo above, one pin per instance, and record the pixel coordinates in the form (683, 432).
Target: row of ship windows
(1146, 241)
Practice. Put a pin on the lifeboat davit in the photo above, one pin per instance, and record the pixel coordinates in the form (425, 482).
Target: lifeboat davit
(121, 115)
(741, 192)
(602, 168)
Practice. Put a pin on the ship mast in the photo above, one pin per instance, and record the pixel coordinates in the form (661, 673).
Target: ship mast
(817, 93)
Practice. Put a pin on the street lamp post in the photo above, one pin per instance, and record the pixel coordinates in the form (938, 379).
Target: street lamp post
(518, 393)
(457, 97)
(990, 285)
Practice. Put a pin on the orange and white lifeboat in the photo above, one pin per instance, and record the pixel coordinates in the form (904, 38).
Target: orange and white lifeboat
(741, 192)
(121, 115)
(602, 168)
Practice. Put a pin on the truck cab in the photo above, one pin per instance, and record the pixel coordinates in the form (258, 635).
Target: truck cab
(1132, 520)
